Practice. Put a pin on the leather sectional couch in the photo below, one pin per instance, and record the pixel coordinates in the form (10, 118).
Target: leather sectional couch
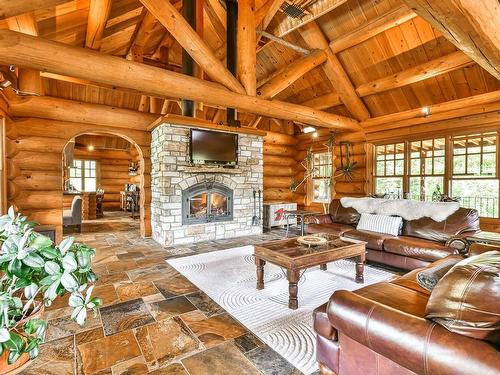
(382, 329)
(422, 241)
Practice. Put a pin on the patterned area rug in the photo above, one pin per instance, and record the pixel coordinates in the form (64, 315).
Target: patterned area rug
(228, 277)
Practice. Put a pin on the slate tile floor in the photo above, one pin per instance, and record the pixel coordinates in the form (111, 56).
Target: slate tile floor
(154, 321)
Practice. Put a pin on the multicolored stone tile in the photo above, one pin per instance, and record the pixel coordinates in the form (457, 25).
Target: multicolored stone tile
(169, 308)
(55, 358)
(224, 359)
(175, 285)
(134, 366)
(88, 336)
(270, 362)
(125, 315)
(112, 278)
(173, 369)
(205, 303)
(133, 290)
(107, 293)
(248, 342)
(217, 329)
(64, 326)
(163, 341)
(106, 352)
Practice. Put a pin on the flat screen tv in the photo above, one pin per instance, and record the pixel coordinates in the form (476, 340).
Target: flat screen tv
(210, 147)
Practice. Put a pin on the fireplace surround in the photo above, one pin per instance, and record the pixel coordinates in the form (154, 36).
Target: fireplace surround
(207, 202)
(190, 203)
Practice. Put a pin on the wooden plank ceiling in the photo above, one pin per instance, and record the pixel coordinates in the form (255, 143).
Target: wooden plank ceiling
(408, 45)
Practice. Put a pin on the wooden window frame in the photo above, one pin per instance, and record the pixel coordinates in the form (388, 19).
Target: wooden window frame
(310, 187)
(448, 172)
(83, 176)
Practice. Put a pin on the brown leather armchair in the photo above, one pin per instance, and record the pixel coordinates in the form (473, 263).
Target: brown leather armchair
(381, 329)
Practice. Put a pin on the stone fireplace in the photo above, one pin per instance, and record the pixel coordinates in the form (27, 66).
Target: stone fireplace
(207, 202)
(191, 204)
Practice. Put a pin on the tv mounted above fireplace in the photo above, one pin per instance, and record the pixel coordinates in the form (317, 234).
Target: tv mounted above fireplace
(212, 147)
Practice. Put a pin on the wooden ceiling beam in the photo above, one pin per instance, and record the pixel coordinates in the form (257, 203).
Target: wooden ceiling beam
(217, 16)
(180, 29)
(98, 16)
(148, 25)
(333, 69)
(12, 8)
(291, 73)
(435, 109)
(246, 60)
(316, 10)
(38, 53)
(372, 28)
(433, 68)
(472, 26)
(323, 101)
(69, 110)
(266, 13)
(281, 41)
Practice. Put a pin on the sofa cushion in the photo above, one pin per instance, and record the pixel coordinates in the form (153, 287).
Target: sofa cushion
(374, 240)
(334, 228)
(417, 248)
(343, 215)
(430, 276)
(463, 220)
(380, 223)
(467, 299)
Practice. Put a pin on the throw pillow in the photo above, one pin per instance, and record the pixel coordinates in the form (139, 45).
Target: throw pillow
(466, 299)
(380, 223)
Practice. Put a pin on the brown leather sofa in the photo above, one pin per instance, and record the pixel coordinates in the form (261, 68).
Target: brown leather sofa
(422, 241)
(381, 329)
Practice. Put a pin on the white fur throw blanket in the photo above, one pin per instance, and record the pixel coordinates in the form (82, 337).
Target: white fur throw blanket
(407, 209)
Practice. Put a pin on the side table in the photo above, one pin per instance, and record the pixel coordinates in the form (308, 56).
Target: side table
(298, 213)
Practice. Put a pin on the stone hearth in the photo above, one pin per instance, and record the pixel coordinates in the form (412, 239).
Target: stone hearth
(171, 177)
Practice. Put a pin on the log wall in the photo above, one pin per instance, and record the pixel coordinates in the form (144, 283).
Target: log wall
(34, 166)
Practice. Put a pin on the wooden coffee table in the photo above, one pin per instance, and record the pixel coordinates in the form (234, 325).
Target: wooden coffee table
(295, 257)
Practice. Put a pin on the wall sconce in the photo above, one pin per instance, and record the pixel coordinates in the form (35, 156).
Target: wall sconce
(90, 148)
(133, 169)
(426, 111)
(308, 129)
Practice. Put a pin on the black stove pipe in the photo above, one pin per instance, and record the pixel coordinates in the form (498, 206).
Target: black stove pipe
(189, 13)
(231, 53)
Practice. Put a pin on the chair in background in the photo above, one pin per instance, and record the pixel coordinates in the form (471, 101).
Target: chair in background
(99, 196)
(73, 217)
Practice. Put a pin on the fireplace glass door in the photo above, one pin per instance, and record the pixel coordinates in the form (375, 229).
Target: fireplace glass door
(207, 202)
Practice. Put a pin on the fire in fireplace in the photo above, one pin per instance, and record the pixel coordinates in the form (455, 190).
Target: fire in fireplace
(207, 202)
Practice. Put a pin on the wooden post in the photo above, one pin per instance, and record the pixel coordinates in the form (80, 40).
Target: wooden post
(246, 35)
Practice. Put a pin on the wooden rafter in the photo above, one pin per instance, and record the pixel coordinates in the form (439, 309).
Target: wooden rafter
(324, 101)
(98, 16)
(433, 68)
(372, 28)
(12, 8)
(147, 27)
(316, 10)
(266, 13)
(315, 38)
(472, 26)
(180, 29)
(38, 53)
(435, 109)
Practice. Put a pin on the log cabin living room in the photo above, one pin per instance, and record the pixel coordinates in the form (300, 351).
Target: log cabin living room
(273, 187)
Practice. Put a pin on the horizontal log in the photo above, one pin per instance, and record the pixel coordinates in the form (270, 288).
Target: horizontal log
(36, 199)
(106, 167)
(44, 216)
(350, 187)
(279, 160)
(279, 171)
(35, 161)
(279, 139)
(38, 53)
(67, 130)
(106, 154)
(355, 149)
(86, 113)
(270, 149)
(38, 180)
(278, 194)
(35, 144)
(277, 182)
(115, 175)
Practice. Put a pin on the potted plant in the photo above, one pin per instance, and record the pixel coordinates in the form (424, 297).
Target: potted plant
(33, 273)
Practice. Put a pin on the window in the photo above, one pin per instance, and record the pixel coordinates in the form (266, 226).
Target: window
(474, 178)
(389, 169)
(464, 167)
(427, 164)
(321, 180)
(82, 175)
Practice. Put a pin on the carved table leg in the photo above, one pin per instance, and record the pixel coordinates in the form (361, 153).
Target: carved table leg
(323, 267)
(260, 272)
(293, 278)
(360, 267)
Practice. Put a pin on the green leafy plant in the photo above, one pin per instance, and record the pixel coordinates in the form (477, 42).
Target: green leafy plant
(34, 272)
